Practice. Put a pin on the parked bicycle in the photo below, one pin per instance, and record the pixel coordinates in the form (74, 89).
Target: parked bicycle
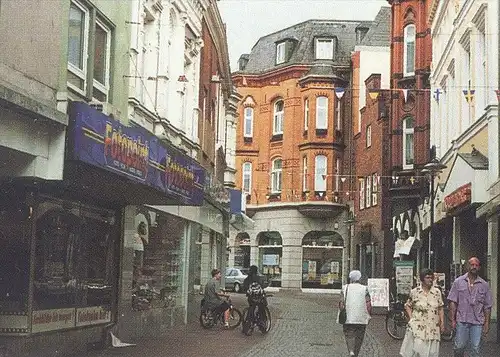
(209, 319)
(254, 317)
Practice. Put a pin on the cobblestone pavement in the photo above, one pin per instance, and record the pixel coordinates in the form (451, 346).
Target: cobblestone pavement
(303, 325)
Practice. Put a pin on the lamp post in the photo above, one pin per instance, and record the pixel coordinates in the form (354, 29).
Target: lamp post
(432, 169)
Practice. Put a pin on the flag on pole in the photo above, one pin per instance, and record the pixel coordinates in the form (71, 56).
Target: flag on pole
(339, 92)
(405, 94)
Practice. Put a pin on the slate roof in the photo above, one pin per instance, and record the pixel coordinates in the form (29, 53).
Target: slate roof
(475, 159)
(263, 55)
(379, 33)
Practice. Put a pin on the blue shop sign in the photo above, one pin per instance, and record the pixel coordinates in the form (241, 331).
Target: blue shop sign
(134, 153)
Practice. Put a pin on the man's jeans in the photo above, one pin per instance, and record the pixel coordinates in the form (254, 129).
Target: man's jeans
(467, 335)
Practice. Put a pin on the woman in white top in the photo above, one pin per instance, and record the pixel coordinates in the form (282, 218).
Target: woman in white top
(358, 310)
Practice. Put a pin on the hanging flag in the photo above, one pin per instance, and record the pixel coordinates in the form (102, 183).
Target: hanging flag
(405, 94)
(498, 94)
(437, 93)
(469, 95)
(373, 93)
(339, 92)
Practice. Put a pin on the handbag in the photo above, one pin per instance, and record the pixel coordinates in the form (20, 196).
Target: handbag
(343, 312)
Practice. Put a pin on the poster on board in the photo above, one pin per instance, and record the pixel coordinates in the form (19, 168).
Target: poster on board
(379, 292)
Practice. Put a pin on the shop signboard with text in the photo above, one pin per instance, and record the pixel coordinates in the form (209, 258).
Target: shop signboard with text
(52, 320)
(458, 198)
(133, 152)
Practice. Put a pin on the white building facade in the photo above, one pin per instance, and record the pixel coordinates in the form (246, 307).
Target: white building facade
(464, 128)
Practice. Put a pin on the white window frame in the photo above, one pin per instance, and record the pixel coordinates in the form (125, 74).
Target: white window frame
(322, 112)
(278, 118)
(246, 175)
(320, 170)
(374, 189)
(407, 40)
(407, 132)
(81, 73)
(276, 176)
(306, 113)
(361, 193)
(368, 201)
(324, 48)
(248, 122)
(104, 87)
(304, 174)
(280, 52)
(368, 136)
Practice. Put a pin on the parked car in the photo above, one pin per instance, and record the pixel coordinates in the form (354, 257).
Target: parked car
(234, 279)
(236, 276)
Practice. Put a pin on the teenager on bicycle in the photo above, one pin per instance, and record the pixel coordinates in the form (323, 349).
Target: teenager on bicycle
(255, 293)
(214, 296)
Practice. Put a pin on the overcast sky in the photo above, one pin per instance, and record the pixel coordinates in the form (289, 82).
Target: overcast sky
(248, 20)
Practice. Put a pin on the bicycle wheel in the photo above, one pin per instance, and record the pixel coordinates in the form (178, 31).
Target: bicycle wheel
(235, 318)
(246, 326)
(266, 321)
(395, 324)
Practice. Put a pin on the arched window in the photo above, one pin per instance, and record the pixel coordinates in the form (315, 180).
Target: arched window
(248, 123)
(276, 176)
(322, 113)
(409, 50)
(408, 145)
(247, 177)
(279, 114)
(320, 162)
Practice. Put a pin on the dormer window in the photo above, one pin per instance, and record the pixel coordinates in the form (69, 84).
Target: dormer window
(280, 52)
(324, 48)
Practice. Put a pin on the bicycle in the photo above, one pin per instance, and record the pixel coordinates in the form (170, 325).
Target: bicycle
(252, 318)
(209, 320)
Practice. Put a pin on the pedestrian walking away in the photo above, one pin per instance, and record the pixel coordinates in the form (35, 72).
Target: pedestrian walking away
(426, 319)
(357, 303)
(470, 308)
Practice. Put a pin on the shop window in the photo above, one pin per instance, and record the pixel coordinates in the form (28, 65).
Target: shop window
(158, 253)
(270, 253)
(14, 259)
(322, 253)
(75, 256)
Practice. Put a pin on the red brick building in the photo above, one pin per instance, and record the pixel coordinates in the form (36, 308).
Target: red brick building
(372, 163)
(411, 56)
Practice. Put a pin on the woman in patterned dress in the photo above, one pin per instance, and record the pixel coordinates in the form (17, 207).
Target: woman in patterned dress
(425, 311)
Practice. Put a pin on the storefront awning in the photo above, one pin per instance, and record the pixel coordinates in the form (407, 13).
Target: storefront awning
(242, 222)
(467, 182)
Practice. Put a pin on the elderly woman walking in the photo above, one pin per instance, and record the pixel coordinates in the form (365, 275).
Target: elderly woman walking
(426, 319)
(357, 302)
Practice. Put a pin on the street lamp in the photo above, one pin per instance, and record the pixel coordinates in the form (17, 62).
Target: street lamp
(432, 169)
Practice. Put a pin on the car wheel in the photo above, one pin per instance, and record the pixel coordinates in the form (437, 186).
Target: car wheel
(237, 287)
